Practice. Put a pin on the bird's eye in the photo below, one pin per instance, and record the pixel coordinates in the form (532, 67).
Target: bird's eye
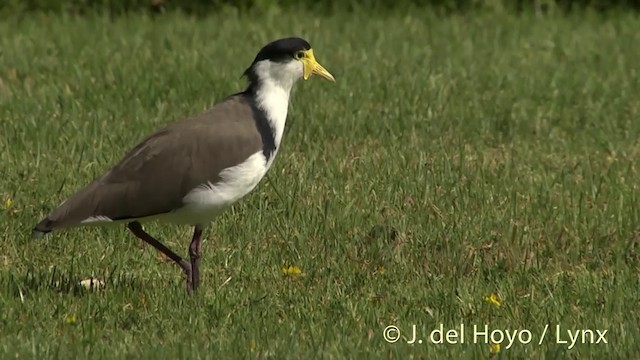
(299, 55)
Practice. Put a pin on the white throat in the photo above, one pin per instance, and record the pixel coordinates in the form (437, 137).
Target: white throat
(273, 91)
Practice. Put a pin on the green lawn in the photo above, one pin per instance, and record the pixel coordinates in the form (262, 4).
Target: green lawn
(455, 157)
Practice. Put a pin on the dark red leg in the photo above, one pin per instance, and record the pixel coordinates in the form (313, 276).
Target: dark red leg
(194, 255)
(137, 230)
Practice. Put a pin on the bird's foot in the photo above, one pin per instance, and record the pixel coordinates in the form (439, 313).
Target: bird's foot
(188, 274)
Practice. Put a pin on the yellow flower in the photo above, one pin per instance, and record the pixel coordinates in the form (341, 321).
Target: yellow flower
(70, 319)
(493, 299)
(252, 346)
(8, 203)
(494, 348)
(291, 270)
(381, 270)
(8, 206)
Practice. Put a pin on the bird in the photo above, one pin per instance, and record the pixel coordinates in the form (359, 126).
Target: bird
(188, 172)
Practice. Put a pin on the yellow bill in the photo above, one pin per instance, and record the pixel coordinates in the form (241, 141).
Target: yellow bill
(311, 66)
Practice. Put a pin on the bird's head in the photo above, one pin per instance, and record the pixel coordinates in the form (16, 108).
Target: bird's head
(285, 61)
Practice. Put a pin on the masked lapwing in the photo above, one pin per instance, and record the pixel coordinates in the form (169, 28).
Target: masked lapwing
(190, 171)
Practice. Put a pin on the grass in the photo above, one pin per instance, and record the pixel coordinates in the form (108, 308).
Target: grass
(456, 157)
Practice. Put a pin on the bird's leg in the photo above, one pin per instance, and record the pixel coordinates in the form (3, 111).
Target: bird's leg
(194, 255)
(137, 230)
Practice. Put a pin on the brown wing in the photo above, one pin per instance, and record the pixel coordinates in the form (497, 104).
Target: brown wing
(154, 176)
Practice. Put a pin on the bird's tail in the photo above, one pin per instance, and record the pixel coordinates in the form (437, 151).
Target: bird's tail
(44, 227)
(69, 213)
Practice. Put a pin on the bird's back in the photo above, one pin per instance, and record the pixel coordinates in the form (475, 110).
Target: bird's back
(155, 176)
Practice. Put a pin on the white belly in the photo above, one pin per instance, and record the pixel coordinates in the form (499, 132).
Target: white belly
(204, 203)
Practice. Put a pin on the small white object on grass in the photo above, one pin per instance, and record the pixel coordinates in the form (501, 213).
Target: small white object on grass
(91, 283)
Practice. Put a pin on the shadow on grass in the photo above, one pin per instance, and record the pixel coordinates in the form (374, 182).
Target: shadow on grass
(66, 282)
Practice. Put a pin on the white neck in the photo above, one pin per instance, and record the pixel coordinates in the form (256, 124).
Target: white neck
(273, 90)
(274, 101)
